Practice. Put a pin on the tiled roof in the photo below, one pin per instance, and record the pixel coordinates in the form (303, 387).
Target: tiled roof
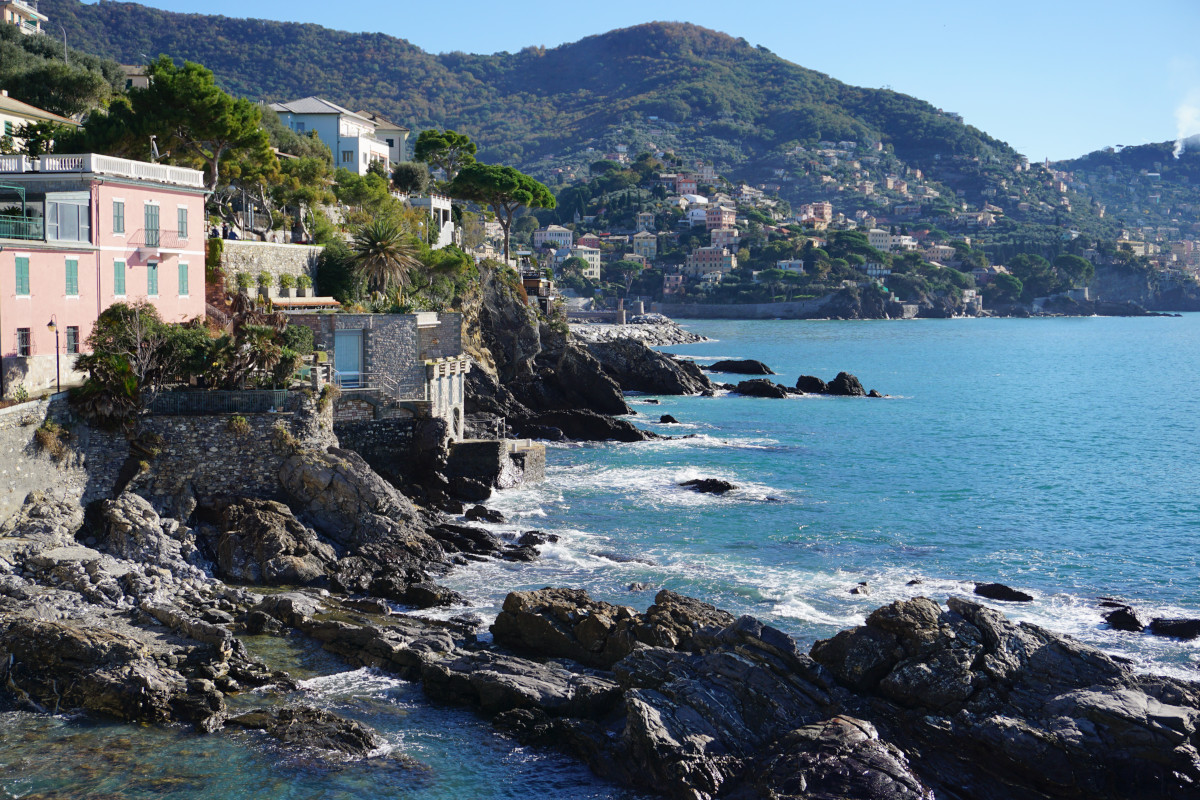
(314, 105)
(14, 106)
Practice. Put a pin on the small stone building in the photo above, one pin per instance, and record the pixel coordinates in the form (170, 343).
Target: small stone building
(394, 365)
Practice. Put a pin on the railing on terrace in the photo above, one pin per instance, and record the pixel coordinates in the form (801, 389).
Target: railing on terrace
(22, 228)
(366, 381)
(104, 165)
(218, 401)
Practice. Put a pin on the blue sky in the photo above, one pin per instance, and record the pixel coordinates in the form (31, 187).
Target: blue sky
(1054, 78)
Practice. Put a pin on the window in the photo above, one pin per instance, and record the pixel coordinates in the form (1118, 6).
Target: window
(152, 279)
(299, 127)
(182, 217)
(8, 128)
(183, 280)
(391, 142)
(68, 222)
(24, 348)
(151, 215)
(72, 277)
(347, 156)
(22, 276)
(119, 278)
(72, 340)
(118, 216)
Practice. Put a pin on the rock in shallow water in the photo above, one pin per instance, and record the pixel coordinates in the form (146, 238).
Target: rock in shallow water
(746, 366)
(998, 591)
(311, 729)
(708, 485)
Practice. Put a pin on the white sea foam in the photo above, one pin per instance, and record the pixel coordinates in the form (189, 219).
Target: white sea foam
(364, 682)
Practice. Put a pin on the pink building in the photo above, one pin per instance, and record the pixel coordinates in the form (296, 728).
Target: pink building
(79, 233)
(719, 217)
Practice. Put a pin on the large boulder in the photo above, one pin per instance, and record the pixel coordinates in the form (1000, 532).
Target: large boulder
(761, 387)
(845, 385)
(569, 378)
(48, 520)
(810, 384)
(637, 368)
(747, 366)
(583, 426)
(565, 623)
(135, 532)
(261, 541)
(311, 729)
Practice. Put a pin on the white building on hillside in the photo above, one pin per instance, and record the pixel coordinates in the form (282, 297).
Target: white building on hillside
(351, 137)
(553, 236)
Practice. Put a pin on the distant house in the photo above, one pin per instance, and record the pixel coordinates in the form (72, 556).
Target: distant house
(645, 221)
(879, 239)
(24, 14)
(672, 284)
(719, 217)
(592, 256)
(440, 218)
(14, 114)
(705, 260)
(685, 184)
(350, 136)
(790, 265)
(725, 237)
(393, 135)
(588, 240)
(645, 244)
(555, 236)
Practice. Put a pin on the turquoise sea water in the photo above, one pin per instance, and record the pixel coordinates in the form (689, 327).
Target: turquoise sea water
(1059, 456)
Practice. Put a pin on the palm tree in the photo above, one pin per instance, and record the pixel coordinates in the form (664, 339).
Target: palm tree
(383, 255)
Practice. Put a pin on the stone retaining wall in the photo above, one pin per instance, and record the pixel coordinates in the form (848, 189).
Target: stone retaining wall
(792, 310)
(277, 259)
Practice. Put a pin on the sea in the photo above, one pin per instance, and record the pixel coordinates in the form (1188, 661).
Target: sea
(1059, 456)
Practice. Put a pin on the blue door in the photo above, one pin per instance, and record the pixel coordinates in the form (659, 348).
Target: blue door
(347, 358)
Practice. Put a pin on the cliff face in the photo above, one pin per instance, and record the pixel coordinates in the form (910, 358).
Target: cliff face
(1151, 290)
(500, 331)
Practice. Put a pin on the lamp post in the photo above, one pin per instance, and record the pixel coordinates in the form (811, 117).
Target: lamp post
(53, 325)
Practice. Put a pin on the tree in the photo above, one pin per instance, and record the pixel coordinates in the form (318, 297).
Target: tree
(448, 150)
(505, 189)
(1074, 269)
(629, 270)
(384, 254)
(1008, 287)
(1038, 278)
(410, 177)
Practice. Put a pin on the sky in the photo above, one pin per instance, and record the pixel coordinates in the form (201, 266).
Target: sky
(1055, 78)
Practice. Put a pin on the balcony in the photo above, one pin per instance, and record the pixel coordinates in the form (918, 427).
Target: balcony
(22, 228)
(155, 242)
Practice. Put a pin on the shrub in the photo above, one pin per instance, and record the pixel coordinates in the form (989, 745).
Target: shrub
(329, 393)
(264, 280)
(304, 282)
(51, 438)
(20, 393)
(287, 281)
(243, 280)
(238, 425)
(284, 439)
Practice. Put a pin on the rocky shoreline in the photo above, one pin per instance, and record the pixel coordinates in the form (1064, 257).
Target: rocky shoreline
(134, 608)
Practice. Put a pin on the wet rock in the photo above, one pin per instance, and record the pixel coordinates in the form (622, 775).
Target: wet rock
(845, 385)
(259, 623)
(708, 485)
(861, 589)
(471, 490)
(261, 541)
(761, 387)
(839, 758)
(638, 586)
(637, 368)
(429, 595)
(746, 366)
(135, 532)
(998, 591)
(565, 623)
(653, 401)
(522, 553)
(546, 433)
(480, 513)
(667, 419)
(811, 385)
(1124, 619)
(873, 393)
(466, 539)
(584, 426)
(311, 729)
(1179, 628)
(533, 538)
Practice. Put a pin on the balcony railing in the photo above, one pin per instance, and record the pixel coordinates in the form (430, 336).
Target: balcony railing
(22, 228)
(104, 165)
(158, 238)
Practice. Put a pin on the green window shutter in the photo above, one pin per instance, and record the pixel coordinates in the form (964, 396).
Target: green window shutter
(22, 276)
(152, 279)
(118, 216)
(72, 277)
(152, 225)
(183, 280)
(119, 278)
(182, 223)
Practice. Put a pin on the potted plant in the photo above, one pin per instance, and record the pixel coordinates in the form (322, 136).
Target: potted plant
(244, 282)
(304, 284)
(264, 285)
(287, 283)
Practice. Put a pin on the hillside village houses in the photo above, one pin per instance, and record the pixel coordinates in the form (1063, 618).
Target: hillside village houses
(645, 244)
(555, 236)
(79, 233)
(704, 260)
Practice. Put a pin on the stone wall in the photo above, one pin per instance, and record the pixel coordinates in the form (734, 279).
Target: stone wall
(277, 259)
(89, 470)
(792, 310)
(39, 373)
(205, 456)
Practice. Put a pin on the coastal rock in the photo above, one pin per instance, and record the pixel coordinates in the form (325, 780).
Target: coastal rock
(874, 393)
(667, 419)
(1124, 619)
(466, 539)
(584, 426)
(47, 520)
(845, 385)
(998, 591)
(746, 366)
(311, 729)
(839, 758)
(135, 532)
(761, 387)
(1179, 628)
(811, 385)
(534, 538)
(260, 541)
(480, 513)
(637, 368)
(566, 378)
(565, 623)
(708, 485)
